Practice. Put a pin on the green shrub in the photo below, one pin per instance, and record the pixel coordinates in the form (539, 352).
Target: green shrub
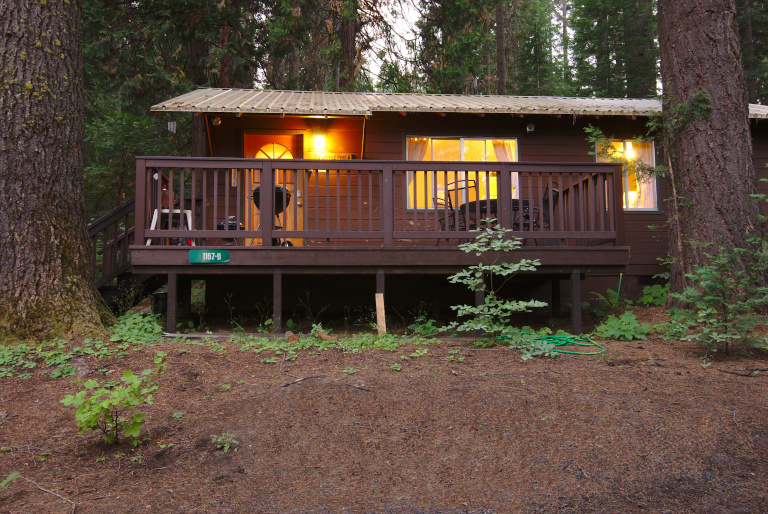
(724, 303)
(493, 316)
(224, 441)
(137, 329)
(103, 407)
(655, 295)
(624, 328)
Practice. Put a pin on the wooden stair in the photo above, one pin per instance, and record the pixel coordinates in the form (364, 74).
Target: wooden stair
(111, 236)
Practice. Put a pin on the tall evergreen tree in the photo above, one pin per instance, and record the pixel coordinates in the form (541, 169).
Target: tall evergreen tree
(140, 53)
(613, 47)
(322, 45)
(706, 122)
(46, 280)
(753, 27)
(454, 45)
(532, 42)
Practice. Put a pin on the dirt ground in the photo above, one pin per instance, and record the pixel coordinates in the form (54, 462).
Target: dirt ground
(642, 428)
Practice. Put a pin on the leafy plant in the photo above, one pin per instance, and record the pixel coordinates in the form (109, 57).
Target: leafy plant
(9, 479)
(350, 371)
(224, 441)
(724, 303)
(607, 303)
(493, 316)
(655, 295)
(424, 326)
(137, 329)
(103, 408)
(396, 366)
(624, 328)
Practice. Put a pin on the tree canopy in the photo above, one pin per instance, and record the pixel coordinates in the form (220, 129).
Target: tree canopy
(139, 53)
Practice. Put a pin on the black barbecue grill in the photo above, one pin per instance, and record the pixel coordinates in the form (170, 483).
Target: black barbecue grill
(281, 201)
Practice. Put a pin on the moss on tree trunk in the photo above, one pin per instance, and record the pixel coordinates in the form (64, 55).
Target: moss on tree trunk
(707, 129)
(46, 278)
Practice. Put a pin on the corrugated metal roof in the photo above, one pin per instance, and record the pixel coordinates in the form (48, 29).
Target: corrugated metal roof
(319, 103)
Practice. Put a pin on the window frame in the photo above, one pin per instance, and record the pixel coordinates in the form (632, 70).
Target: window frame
(461, 139)
(625, 178)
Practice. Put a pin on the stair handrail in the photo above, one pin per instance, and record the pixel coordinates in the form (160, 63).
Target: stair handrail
(115, 242)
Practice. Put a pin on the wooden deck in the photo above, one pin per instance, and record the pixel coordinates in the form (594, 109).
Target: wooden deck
(362, 217)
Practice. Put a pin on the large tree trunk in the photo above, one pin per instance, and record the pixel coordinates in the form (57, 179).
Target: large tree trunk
(640, 68)
(46, 278)
(198, 50)
(748, 48)
(501, 54)
(712, 171)
(348, 38)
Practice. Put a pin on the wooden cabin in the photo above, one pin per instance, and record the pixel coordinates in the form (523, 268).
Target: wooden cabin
(348, 194)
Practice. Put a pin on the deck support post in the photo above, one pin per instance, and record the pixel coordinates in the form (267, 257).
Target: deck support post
(480, 300)
(381, 320)
(576, 300)
(170, 309)
(380, 280)
(555, 297)
(277, 300)
(480, 294)
(185, 296)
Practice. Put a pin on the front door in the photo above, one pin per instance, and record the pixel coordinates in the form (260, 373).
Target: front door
(278, 146)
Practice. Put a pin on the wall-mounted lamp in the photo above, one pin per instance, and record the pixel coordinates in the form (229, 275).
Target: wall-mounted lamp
(530, 128)
(629, 151)
(172, 127)
(319, 143)
(215, 121)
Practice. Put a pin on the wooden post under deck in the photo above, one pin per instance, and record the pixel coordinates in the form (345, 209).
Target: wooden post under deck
(555, 297)
(170, 312)
(277, 300)
(576, 301)
(381, 321)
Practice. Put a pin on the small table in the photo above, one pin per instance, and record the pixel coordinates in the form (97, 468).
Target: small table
(170, 213)
(489, 208)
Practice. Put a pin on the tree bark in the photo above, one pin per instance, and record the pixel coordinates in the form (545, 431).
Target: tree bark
(501, 54)
(348, 38)
(748, 48)
(711, 154)
(198, 50)
(46, 278)
(640, 65)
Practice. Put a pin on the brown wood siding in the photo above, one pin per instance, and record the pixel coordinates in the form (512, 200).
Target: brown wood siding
(554, 139)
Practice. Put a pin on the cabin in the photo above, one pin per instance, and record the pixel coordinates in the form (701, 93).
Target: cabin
(332, 197)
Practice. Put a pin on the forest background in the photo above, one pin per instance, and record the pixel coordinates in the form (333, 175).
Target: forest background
(137, 54)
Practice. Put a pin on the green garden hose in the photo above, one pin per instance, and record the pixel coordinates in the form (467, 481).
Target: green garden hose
(559, 340)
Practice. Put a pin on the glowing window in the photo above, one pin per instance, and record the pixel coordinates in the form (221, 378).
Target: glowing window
(426, 189)
(639, 189)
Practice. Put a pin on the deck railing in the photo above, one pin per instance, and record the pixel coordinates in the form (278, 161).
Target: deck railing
(111, 235)
(210, 202)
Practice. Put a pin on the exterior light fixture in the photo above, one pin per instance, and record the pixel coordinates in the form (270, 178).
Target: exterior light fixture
(319, 143)
(216, 121)
(530, 128)
(629, 151)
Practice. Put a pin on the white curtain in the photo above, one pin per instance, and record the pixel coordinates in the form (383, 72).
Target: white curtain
(505, 152)
(645, 197)
(418, 147)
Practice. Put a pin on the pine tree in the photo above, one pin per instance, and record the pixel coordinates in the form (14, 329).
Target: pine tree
(613, 47)
(706, 123)
(46, 279)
